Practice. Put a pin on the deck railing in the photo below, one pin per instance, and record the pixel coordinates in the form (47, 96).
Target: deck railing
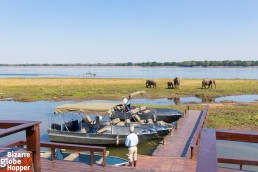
(197, 134)
(53, 146)
(207, 157)
(33, 144)
(32, 136)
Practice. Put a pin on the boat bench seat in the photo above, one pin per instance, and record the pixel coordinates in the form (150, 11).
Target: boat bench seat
(135, 111)
(45, 155)
(146, 111)
(149, 121)
(121, 123)
(103, 130)
(71, 157)
(115, 121)
(127, 121)
(83, 130)
(142, 121)
(88, 119)
(143, 108)
(137, 118)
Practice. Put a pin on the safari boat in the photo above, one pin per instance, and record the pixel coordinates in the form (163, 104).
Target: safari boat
(145, 112)
(90, 132)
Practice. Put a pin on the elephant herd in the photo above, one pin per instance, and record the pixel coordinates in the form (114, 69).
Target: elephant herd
(176, 83)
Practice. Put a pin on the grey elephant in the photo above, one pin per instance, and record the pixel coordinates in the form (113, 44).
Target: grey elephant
(150, 83)
(176, 82)
(170, 85)
(208, 82)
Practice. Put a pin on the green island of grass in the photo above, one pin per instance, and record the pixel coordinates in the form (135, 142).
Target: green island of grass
(225, 115)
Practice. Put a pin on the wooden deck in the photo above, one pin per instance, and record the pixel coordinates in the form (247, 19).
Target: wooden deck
(176, 155)
(173, 156)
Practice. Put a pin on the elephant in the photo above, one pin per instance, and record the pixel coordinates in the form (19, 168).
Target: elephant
(208, 82)
(170, 85)
(176, 82)
(150, 83)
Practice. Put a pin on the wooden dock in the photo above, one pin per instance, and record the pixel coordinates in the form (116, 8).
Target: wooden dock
(173, 156)
(189, 148)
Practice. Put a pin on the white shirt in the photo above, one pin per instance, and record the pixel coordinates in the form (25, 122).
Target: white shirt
(131, 140)
(125, 100)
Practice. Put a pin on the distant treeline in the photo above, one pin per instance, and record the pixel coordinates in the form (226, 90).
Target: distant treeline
(226, 63)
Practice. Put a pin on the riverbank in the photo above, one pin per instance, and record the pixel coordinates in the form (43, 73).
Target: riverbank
(33, 89)
(225, 115)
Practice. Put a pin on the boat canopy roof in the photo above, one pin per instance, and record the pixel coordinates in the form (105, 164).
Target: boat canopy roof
(137, 93)
(100, 108)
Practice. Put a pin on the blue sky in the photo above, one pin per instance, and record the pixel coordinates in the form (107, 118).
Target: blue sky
(92, 31)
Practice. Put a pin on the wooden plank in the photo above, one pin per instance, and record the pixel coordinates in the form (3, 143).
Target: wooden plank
(73, 146)
(33, 145)
(71, 157)
(11, 123)
(207, 157)
(238, 161)
(17, 128)
(237, 135)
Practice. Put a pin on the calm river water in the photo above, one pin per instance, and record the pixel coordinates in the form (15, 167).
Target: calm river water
(129, 72)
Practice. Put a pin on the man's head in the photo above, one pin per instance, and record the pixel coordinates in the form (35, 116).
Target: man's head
(131, 129)
(123, 97)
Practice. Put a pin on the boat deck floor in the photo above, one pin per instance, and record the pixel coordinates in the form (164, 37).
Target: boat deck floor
(173, 156)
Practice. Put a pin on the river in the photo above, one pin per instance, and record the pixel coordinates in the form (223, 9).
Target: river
(129, 72)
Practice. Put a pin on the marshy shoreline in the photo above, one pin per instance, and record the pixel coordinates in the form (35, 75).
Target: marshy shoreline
(226, 115)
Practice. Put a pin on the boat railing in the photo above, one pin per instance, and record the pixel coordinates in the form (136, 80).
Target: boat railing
(197, 133)
(207, 156)
(53, 146)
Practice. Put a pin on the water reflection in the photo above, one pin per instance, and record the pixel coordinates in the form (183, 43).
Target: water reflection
(184, 100)
(243, 150)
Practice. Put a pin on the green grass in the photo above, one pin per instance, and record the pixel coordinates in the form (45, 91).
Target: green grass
(225, 115)
(242, 116)
(71, 89)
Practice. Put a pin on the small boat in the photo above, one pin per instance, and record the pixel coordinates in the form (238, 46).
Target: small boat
(89, 74)
(89, 132)
(145, 112)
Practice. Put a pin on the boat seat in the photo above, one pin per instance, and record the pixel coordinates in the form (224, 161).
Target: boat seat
(83, 130)
(115, 121)
(121, 123)
(137, 117)
(56, 126)
(106, 123)
(143, 108)
(142, 121)
(88, 119)
(103, 130)
(101, 159)
(149, 121)
(71, 157)
(127, 121)
(135, 111)
(45, 155)
(146, 111)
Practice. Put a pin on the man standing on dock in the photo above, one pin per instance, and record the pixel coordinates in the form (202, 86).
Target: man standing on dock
(131, 142)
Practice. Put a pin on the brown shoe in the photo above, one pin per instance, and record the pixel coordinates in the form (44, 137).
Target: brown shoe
(134, 163)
